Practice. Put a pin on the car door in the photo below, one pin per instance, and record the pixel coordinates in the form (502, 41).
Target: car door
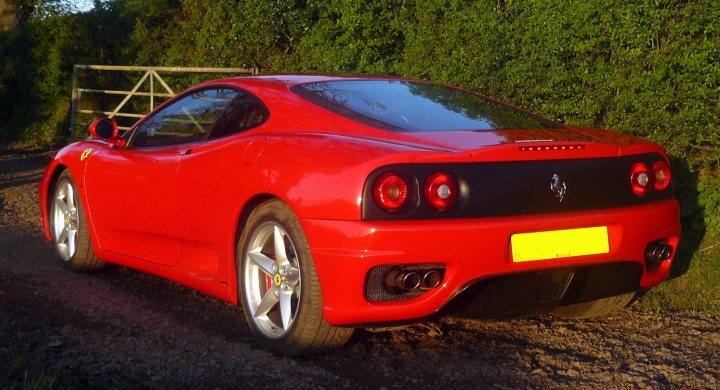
(132, 190)
(212, 182)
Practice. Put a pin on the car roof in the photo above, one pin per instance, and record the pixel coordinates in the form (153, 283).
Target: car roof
(289, 80)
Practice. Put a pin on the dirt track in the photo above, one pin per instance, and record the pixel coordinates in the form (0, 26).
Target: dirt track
(120, 328)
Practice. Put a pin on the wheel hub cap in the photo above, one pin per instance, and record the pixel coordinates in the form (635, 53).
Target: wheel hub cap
(278, 280)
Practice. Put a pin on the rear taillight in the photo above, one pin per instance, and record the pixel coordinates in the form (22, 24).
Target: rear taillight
(440, 190)
(661, 171)
(390, 191)
(640, 179)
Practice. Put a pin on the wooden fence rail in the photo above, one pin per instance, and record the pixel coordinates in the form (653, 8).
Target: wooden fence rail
(150, 74)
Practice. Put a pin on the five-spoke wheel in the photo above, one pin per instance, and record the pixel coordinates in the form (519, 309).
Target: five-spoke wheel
(272, 279)
(278, 284)
(65, 219)
(69, 228)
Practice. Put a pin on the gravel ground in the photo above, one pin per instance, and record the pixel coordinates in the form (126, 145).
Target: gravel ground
(123, 329)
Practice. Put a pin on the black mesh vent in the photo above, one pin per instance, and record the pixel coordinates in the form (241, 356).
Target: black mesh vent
(377, 291)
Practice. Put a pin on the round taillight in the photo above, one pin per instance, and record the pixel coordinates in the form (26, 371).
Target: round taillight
(440, 191)
(661, 172)
(640, 179)
(390, 191)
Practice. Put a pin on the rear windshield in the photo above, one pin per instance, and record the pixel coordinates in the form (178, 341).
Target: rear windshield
(417, 106)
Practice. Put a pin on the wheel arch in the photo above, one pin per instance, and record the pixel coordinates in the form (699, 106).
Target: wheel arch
(249, 206)
(242, 219)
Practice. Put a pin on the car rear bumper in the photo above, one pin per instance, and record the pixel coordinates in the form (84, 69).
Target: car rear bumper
(471, 250)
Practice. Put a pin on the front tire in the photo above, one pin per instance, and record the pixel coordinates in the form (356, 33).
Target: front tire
(69, 227)
(279, 287)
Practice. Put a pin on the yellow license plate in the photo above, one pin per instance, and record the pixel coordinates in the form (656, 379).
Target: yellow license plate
(559, 243)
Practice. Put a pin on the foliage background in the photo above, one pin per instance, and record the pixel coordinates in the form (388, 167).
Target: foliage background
(650, 68)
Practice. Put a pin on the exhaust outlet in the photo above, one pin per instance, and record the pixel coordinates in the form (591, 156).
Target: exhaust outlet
(399, 282)
(431, 279)
(407, 280)
(656, 253)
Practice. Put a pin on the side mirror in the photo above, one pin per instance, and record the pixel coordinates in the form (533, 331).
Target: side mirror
(107, 129)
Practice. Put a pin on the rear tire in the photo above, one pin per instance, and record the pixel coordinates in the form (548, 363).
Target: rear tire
(279, 287)
(597, 308)
(69, 227)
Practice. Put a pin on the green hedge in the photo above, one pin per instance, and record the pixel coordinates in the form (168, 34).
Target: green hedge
(648, 68)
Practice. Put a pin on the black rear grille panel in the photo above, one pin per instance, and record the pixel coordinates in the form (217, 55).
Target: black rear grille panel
(497, 189)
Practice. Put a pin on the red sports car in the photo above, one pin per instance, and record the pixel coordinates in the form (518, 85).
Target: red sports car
(326, 203)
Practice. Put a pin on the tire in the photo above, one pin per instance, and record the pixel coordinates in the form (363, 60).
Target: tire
(69, 227)
(281, 294)
(597, 308)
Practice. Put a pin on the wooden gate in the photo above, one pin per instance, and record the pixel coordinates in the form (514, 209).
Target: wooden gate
(145, 88)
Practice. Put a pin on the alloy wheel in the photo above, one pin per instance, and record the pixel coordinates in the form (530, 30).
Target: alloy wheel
(65, 219)
(272, 279)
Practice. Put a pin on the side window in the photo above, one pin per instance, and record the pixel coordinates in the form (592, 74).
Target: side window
(244, 112)
(186, 120)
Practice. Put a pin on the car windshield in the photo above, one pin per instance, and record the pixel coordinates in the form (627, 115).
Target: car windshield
(417, 106)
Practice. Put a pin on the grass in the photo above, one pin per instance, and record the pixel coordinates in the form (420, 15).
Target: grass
(17, 372)
(698, 289)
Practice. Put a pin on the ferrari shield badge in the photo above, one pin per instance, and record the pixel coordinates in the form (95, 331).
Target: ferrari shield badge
(85, 154)
(558, 187)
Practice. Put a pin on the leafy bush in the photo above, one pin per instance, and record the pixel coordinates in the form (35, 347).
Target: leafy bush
(650, 68)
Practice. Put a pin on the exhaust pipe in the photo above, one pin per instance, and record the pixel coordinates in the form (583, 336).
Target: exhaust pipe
(656, 253)
(407, 280)
(431, 279)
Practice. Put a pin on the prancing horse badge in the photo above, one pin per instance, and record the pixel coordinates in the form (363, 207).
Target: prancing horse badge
(85, 154)
(558, 187)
